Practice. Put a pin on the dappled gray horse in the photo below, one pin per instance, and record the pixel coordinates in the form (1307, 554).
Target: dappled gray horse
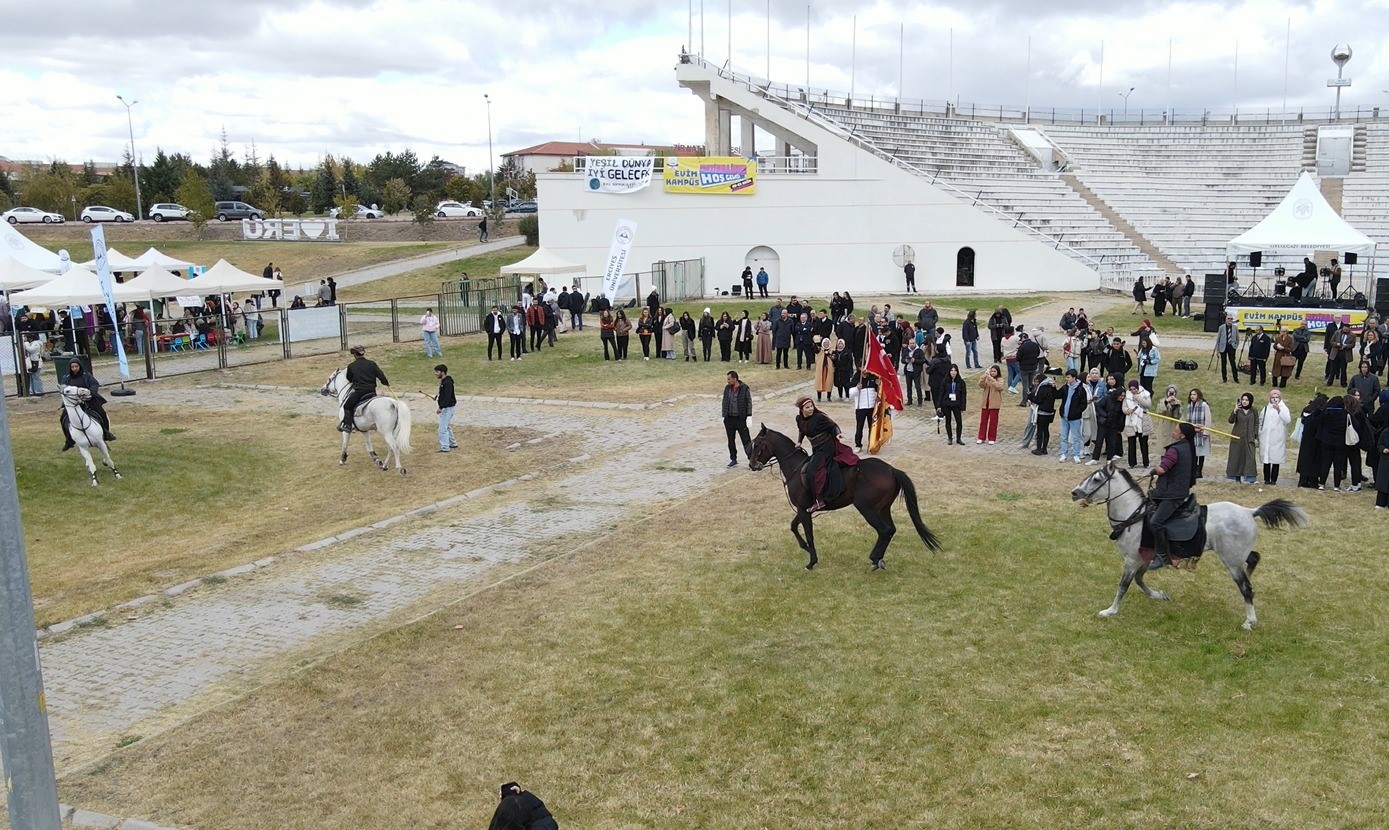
(86, 431)
(1230, 531)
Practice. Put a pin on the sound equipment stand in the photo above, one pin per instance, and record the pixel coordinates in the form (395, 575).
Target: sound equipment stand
(1254, 289)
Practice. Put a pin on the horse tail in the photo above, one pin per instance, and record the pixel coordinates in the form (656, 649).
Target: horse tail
(1281, 512)
(402, 427)
(909, 496)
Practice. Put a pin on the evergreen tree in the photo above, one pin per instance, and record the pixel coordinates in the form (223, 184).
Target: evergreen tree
(349, 178)
(89, 174)
(161, 179)
(223, 171)
(325, 186)
(395, 195)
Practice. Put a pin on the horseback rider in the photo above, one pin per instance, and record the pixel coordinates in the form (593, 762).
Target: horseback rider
(822, 476)
(1176, 475)
(95, 405)
(362, 374)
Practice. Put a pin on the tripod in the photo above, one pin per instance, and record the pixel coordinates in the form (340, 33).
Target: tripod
(1254, 289)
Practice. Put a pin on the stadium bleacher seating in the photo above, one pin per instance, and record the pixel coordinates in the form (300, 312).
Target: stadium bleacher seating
(1365, 200)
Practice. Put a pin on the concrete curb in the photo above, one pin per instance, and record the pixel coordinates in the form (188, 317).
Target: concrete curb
(86, 818)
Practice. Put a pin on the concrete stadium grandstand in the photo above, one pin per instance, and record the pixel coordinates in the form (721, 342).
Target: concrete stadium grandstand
(846, 190)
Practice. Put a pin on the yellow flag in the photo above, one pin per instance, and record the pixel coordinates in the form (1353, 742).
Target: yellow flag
(881, 430)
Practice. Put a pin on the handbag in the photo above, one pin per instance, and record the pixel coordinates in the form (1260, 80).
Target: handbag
(1287, 360)
(1352, 437)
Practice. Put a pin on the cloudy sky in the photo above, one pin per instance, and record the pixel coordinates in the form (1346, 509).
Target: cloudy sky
(358, 77)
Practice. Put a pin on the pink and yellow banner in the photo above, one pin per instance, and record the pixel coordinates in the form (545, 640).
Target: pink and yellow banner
(723, 175)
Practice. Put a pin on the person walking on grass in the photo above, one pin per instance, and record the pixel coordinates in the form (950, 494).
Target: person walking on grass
(737, 409)
(446, 401)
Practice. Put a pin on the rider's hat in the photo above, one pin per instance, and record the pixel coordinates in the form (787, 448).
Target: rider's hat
(358, 350)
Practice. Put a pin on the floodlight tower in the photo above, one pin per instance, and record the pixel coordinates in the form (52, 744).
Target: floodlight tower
(1340, 55)
(491, 169)
(135, 165)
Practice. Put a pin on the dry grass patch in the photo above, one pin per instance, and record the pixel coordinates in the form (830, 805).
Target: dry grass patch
(686, 672)
(223, 487)
(427, 280)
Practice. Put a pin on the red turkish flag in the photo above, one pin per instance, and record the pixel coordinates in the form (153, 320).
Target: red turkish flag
(889, 385)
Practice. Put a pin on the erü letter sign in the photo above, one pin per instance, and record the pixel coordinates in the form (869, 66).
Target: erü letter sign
(290, 230)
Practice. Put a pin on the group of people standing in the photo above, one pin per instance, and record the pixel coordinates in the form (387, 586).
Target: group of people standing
(1166, 292)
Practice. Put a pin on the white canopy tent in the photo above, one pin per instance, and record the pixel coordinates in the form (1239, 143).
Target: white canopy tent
(15, 275)
(153, 283)
(1302, 222)
(118, 261)
(155, 258)
(76, 287)
(543, 263)
(225, 278)
(19, 247)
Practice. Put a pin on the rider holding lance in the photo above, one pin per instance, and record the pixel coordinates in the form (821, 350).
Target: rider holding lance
(95, 405)
(362, 374)
(822, 474)
(1176, 474)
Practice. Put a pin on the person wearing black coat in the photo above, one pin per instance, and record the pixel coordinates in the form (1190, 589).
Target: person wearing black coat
(1117, 361)
(577, 303)
(1260, 345)
(96, 404)
(1029, 354)
(783, 333)
(953, 398)
(706, 334)
(1381, 468)
(998, 322)
(1044, 396)
(1109, 422)
(1309, 448)
(521, 810)
(804, 338)
(1331, 435)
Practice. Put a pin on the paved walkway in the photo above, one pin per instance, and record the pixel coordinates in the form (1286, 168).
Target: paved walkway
(402, 266)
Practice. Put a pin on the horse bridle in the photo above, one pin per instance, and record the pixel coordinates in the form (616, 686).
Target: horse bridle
(1138, 511)
(80, 406)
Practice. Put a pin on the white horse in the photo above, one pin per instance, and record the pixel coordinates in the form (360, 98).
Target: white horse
(389, 416)
(1230, 531)
(86, 431)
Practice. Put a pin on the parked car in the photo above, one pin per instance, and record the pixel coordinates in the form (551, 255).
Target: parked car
(168, 211)
(21, 215)
(451, 210)
(102, 213)
(363, 212)
(227, 211)
(526, 206)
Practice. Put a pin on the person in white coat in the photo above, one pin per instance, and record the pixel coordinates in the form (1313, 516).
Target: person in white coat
(1273, 435)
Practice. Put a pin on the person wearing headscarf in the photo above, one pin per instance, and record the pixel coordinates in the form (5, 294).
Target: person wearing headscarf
(707, 329)
(1242, 463)
(1309, 448)
(1331, 435)
(824, 368)
(826, 484)
(1198, 414)
(1175, 475)
(96, 404)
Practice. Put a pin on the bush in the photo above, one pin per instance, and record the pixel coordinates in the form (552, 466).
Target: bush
(529, 227)
(423, 208)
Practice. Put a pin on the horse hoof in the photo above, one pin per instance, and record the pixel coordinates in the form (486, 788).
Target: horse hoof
(118, 476)
(1108, 612)
(404, 471)
(381, 465)
(1248, 626)
(880, 565)
(810, 567)
(1161, 596)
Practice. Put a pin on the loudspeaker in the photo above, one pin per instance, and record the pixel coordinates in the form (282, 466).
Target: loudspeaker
(1256, 259)
(1214, 316)
(1382, 296)
(1351, 258)
(1214, 292)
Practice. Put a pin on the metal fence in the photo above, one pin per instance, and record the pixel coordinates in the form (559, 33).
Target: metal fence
(464, 303)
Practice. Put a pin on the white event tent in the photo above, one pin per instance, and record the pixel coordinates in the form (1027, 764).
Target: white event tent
(225, 278)
(1303, 221)
(119, 262)
(154, 258)
(152, 283)
(543, 263)
(26, 251)
(77, 286)
(15, 275)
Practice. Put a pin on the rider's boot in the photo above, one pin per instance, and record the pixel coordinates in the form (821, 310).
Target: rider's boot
(344, 427)
(68, 444)
(1162, 549)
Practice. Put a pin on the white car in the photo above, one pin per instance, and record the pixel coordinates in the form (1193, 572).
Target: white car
(363, 212)
(165, 211)
(28, 214)
(102, 213)
(450, 210)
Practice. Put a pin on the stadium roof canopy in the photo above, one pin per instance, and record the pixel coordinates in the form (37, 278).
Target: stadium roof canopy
(1303, 221)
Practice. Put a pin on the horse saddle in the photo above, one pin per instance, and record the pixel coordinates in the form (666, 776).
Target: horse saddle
(362, 407)
(1186, 530)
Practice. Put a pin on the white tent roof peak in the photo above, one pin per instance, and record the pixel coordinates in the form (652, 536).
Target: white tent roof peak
(76, 286)
(27, 252)
(153, 282)
(225, 278)
(1303, 221)
(15, 275)
(154, 257)
(543, 263)
(119, 262)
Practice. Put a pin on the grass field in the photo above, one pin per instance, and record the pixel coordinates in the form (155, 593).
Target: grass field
(678, 674)
(428, 280)
(270, 486)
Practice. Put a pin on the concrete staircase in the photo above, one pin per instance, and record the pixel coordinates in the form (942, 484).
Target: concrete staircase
(1357, 151)
(1122, 225)
(1309, 149)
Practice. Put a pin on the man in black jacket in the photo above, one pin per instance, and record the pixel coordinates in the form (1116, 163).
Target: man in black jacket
(1259, 347)
(1044, 396)
(1029, 353)
(737, 409)
(362, 374)
(998, 322)
(522, 809)
(577, 302)
(495, 326)
(1118, 363)
(446, 402)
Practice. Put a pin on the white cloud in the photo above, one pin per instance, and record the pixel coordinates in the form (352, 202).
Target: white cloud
(365, 76)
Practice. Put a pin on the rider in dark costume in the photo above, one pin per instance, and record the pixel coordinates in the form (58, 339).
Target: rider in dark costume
(822, 475)
(1176, 474)
(95, 404)
(362, 374)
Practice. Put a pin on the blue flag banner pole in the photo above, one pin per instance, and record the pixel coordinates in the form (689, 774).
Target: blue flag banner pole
(103, 272)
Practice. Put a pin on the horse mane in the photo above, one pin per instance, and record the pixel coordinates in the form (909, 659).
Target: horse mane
(795, 450)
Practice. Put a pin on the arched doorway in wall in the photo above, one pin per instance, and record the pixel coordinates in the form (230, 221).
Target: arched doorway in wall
(763, 257)
(964, 268)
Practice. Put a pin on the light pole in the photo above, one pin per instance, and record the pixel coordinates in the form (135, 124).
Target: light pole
(491, 169)
(1125, 96)
(134, 166)
(1340, 55)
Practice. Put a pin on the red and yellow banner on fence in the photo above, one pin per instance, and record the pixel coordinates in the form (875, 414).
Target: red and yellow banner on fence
(722, 175)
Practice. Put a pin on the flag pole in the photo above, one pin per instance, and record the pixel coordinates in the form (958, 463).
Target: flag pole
(1199, 429)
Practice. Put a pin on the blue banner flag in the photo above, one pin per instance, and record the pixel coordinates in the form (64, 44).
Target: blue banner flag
(103, 272)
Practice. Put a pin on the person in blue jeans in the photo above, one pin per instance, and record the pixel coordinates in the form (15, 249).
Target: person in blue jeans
(970, 334)
(1074, 400)
(446, 402)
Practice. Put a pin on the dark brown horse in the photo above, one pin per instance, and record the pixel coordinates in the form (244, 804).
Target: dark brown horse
(871, 487)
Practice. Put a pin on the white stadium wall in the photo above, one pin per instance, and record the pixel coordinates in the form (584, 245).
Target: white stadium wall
(831, 230)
